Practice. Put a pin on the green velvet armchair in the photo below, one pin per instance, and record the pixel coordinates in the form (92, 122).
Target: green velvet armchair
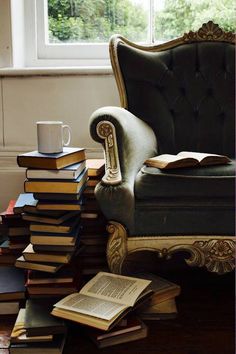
(175, 96)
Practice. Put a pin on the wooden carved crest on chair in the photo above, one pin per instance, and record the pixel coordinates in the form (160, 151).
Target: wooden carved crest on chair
(175, 96)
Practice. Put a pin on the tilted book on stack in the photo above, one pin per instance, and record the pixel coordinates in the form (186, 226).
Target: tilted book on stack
(16, 234)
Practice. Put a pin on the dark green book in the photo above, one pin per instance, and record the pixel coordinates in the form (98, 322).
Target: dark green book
(39, 321)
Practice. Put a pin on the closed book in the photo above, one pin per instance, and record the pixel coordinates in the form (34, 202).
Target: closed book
(18, 334)
(30, 255)
(165, 310)
(47, 219)
(52, 347)
(76, 205)
(44, 267)
(163, 289)
(39, 321)
(51, 289)
(69, 172)
(12, 282)
(54, 248)
(9, 307)
(133, 330)
(96, 167)
(59, 186)
(35, 159)
(60, 196)
(23, 200)
(63, 228)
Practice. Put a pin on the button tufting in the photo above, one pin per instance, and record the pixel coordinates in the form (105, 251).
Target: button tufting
(210, 91)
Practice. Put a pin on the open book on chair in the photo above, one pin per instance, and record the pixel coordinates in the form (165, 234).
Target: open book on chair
(186, 159)
(104, 300)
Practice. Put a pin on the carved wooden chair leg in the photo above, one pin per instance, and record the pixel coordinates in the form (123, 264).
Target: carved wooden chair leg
(116, 246)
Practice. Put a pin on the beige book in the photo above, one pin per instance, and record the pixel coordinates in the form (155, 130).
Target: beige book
(186, 159)
(104, 300)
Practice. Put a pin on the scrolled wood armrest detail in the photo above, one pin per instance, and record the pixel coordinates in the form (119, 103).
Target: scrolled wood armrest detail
(106, 130)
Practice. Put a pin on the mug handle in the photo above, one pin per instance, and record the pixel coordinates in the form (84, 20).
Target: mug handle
(66, 143)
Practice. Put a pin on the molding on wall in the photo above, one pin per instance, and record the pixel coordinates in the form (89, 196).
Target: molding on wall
(56, 71)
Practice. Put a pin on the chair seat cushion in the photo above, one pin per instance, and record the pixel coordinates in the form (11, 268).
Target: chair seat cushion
(216, 181)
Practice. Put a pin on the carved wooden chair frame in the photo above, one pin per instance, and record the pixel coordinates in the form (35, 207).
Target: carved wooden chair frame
(216, 253)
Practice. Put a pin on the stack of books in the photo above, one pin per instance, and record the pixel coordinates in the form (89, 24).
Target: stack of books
(162, 305)
(104, 306)
(94, 235)
(52, 203)
(36, 331)
(15, 234)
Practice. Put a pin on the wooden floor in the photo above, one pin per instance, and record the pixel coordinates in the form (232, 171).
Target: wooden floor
(205, 322)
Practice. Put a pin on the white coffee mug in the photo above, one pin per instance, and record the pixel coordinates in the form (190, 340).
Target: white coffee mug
(51, 136)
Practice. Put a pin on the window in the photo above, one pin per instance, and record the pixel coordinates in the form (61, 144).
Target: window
(77, 31)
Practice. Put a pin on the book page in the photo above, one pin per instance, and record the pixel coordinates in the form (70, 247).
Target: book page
(166, 158)
(91, 306)
(198, 155)
(117, 288)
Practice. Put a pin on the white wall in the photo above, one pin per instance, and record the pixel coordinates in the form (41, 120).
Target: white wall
(26, 99)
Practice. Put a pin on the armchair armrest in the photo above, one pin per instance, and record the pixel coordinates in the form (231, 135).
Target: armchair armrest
(128, 142)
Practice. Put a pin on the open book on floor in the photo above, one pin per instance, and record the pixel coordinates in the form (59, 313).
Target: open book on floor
(186, 159)
(104, 300)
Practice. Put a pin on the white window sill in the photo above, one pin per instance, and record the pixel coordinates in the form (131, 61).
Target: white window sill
(52, 71)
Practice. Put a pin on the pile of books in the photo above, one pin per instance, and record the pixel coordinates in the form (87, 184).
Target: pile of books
(37, 331)
(162, 304)
(52, 203)
(14, 235)
(94, 234)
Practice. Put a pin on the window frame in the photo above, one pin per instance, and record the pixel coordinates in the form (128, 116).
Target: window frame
(39, 52)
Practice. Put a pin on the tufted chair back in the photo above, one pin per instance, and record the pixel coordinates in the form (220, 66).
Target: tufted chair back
(183, 89)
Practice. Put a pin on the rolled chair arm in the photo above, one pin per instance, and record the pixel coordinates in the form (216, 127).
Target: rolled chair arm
(128, 142)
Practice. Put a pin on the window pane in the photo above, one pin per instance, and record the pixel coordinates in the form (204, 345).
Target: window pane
(173, 18)
(90, 21)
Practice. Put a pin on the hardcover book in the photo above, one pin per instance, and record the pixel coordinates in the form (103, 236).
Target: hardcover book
(35, 159)
(64, 228)
(163, 289)
(69, 172)
(47, 219)
(95, 167)
(76, 205)
(59, 186)
(24, 199)
(54, 257)
(18, 334)
(11, 283)
(162, 311)
(53, 347)
(39, 321)
(104, 300)
(186, 159)
(44, 267)
(132, 329)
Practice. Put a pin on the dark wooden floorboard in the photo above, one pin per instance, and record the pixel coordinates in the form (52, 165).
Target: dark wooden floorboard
(205, 322)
